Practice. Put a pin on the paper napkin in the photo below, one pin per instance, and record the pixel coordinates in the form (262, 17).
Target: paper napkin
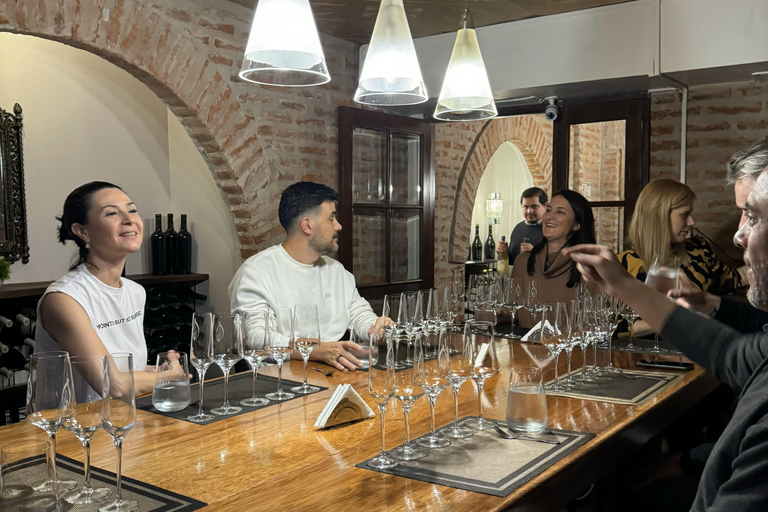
(344, 406)
(532, 332)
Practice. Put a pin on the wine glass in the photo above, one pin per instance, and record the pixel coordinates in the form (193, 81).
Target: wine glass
(414, 319)
(631, 317)
(280, 346)
(118, 415)
(381, 387)
(586, 321)
(486, 312)
(255, 350)
(611, 315)
(515, 302)
(485, 364)
(407, 391)
(458, 371)
(306, 337)
(50, 400)
(431, 376)
(533, 300)
(393, 311)
(201, 357)
(663, 279)
(552, 338)
(431, 303)
(567, 335)
(227, 350)
(85, 421)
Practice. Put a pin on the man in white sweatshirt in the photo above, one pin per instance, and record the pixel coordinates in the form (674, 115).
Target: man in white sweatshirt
(299, 272)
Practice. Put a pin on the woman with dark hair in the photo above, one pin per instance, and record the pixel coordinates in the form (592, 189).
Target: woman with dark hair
(92, 310)
(568, 221)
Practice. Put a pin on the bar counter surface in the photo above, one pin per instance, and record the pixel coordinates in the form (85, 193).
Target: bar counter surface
(274, 459)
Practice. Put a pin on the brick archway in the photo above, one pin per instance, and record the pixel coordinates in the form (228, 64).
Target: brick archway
(255, 139)
(532, 135)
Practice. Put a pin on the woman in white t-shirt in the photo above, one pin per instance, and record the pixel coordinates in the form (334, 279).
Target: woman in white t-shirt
(91, 310)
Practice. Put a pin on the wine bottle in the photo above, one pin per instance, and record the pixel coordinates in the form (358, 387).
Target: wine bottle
(503, 257)
(184, 248)
(477, 245)
(157, 246)
(5, 322)
(23, 320)
(171, 239)
(490, 245)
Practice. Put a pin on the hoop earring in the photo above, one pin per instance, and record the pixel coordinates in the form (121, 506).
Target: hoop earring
(87, 246)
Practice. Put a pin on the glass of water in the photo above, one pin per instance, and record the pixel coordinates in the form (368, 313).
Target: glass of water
(359, 334)
(171, 391)
(526, 401)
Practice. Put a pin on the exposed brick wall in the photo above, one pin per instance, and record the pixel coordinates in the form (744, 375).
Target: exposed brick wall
(462, 151)
(257, 139)
(722, 119)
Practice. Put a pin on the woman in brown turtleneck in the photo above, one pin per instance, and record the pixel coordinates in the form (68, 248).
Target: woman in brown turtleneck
(567, 221)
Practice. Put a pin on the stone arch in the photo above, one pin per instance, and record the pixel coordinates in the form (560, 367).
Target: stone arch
(532, 135)
(149, 40)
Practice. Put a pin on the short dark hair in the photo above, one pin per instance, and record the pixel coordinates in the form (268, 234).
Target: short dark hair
(301, 198)
(75, 211)
(534, 192)
(583, 216)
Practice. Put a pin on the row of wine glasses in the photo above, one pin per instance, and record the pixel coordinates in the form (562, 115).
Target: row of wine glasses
(457, 359)
(225, 339)
(106, 400)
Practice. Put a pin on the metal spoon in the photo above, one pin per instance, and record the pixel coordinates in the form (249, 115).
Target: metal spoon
(549, 439)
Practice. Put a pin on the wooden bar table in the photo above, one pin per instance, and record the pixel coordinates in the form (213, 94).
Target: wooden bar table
(274, 459)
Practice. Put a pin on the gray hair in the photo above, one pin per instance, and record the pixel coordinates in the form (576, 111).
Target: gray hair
(748, 163)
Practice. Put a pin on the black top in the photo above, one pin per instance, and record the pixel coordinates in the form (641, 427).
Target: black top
(518, 236)
(741, 316)
(735, 474)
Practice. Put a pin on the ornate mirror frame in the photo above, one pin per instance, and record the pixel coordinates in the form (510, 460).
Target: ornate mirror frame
(13, 223)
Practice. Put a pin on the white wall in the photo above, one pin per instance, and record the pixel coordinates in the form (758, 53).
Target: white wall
(86, 119)
(507, 174)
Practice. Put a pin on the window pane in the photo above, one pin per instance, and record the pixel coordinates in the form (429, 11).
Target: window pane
(369, 245)
(405, 245)
(597, 160)
(369, 165)
(609, 227)
(406, 172)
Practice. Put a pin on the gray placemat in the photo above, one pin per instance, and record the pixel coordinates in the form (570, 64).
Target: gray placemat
(486, 463)
(150, 498)
(616, 388)
(239, 389)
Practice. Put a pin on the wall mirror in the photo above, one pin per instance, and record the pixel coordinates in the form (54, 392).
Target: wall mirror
(13, 214)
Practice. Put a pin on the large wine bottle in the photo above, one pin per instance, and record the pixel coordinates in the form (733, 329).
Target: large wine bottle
(171, 258)
(184, 247)
(477, 245)
(490, 245)
(157, 246)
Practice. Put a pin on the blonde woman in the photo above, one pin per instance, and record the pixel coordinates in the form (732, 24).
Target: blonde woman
(661, 229)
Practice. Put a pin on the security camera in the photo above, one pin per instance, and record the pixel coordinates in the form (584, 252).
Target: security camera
(551, 111)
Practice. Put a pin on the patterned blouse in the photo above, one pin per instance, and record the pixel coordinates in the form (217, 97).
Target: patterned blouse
(705, 269)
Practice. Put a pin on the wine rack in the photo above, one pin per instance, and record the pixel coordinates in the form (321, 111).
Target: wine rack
(171, 300)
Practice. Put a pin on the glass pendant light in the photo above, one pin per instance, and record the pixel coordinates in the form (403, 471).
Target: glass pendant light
(283, 46)
(466, 94)
(391, 73)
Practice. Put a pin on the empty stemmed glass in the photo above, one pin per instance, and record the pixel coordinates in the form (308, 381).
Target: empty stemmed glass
(570, 341)
(414, 311)
(280, 346)
(552, 338)
(85, 421)
(485, 364)
(255, 350)
(118, 415)
(515, 302)
(533, 300)
(459, 370)
(201, 357)
(586, 321)
(227, 350)
(50, 400)
(611, 315)
(394, 310)
(631, 317)
(407, 391)
(381, 387)
(430, 374)
(306, 337)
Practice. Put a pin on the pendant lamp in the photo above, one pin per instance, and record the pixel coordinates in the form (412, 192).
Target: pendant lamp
(466, 94)
(391, 73)
(283, 47)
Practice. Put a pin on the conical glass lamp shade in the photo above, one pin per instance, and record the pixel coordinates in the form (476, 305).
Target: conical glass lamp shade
(466, 94)
(284, 47)
(391, 73)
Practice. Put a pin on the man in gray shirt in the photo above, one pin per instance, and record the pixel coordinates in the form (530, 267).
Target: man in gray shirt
(736, 471)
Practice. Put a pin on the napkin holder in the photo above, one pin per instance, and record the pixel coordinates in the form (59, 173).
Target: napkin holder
(345, 406)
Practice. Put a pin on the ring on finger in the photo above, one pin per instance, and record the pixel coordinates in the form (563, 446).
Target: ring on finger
(339, 357)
